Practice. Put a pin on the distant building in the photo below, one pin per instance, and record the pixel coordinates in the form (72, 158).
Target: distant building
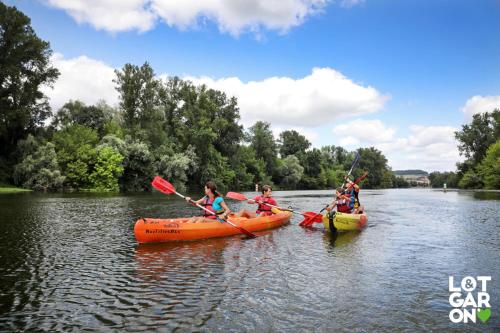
(417, 180)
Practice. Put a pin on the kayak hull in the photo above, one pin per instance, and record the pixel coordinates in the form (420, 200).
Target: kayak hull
(346, 222)
(150, 230)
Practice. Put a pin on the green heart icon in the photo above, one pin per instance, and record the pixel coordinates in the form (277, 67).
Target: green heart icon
(484, 314)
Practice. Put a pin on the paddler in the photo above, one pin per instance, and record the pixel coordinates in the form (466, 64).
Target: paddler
(212, 201)
(343, 202)
(353, 190)
(261, 200)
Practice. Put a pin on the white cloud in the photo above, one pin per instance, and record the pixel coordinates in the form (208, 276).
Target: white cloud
(317, 99)
(369, 131)
(431, 148)
(110, 15)
(231, 16)
(480, 104)
(235, 16)
(83, 79)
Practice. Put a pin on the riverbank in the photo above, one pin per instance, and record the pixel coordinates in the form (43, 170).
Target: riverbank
(11, 189)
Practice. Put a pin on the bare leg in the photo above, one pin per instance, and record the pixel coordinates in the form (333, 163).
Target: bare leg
(246, 213)
(195, 219)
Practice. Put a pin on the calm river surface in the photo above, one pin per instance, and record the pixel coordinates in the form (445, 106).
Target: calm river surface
(70, 262)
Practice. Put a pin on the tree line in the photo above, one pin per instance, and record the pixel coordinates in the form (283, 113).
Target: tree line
(479, 143)
(169, 127)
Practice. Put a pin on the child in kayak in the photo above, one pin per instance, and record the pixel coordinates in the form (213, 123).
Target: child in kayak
(212, 201)
(353, 190)
(262, 209)
(343, 203)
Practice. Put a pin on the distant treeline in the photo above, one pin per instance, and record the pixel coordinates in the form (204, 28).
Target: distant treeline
(479, 142)
(172, 128)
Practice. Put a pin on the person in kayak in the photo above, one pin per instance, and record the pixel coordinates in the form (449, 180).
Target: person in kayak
(261, 200)
(353, 190)
(343, 203)
(214, 202)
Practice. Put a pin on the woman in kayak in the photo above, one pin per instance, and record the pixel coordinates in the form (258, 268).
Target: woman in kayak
(262, 209)
(213, 202)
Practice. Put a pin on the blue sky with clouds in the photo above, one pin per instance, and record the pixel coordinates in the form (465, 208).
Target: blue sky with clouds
(397, 75)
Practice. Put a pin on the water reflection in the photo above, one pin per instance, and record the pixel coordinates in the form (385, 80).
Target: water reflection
(484, 195)
(339, 239)
(156, 261)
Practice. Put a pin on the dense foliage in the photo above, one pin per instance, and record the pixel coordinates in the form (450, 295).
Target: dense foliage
(478, 142)
(24, 69)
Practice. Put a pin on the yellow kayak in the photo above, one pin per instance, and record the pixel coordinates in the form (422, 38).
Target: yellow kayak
(345, 222)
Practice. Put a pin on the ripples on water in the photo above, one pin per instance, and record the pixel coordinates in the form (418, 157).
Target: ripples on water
(71, 263)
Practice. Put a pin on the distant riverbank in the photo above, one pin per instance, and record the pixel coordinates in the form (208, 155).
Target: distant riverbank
(11, 189)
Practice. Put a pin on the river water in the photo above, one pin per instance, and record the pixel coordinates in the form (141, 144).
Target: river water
(70, 262)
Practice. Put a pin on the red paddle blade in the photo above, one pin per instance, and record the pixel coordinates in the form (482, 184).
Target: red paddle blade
(236, 196)
(162, 185)
(311, 218)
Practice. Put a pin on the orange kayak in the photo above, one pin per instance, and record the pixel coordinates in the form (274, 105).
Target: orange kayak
(149, 230)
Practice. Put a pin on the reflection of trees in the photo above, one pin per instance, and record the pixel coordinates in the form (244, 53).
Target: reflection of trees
(182, 283)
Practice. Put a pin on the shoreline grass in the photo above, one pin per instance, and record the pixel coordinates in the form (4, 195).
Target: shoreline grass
(12, 189)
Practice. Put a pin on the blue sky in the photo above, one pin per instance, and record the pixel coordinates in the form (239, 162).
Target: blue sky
(397, 75)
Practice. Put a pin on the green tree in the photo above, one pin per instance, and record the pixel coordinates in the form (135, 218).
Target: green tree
(107, 170)
(489, 168)
(139, 101)
(138, 166)
(293, 143)
(471, 179)
(76, 154)
(38, 169)
(399, 182)
(178, 167)
(249, 169)
(291, 172)
(374, 161)
(262, 141)
(438, 179)
(314, 176)
(475, 138)
(96, 117)
(24, 68)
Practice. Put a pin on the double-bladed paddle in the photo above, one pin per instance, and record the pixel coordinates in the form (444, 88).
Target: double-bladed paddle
(309, 221)
(242, 197)
(165, 187)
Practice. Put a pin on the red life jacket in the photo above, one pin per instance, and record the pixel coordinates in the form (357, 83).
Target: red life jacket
(207, 203)
(264, 209)
(343, 206)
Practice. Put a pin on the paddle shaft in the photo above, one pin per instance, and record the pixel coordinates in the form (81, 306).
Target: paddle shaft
(212, 213)
(356, 160)
(287, 209)
(242, 197)
(308, 221)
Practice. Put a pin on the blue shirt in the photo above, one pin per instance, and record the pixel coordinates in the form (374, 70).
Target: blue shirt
(216, 204)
